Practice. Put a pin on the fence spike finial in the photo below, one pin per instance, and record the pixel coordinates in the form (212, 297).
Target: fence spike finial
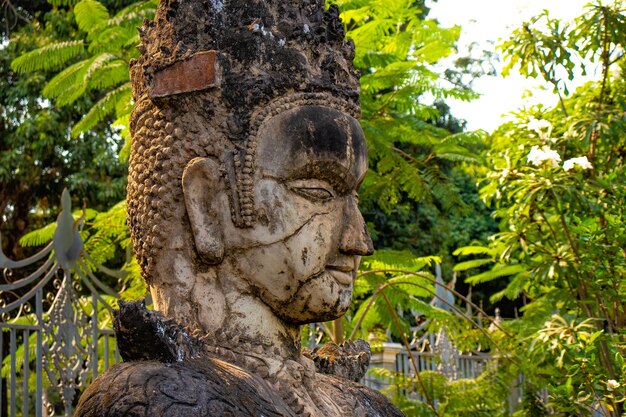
(67, 242)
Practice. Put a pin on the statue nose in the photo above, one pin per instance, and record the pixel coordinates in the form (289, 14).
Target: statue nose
(355, 240)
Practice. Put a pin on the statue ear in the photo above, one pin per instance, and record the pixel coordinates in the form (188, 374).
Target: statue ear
(201, 182)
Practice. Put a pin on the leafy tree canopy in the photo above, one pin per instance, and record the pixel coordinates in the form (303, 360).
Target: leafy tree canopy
(557, 184)
(38, 158)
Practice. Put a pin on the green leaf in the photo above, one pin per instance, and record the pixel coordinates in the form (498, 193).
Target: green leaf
(135, 12)
(97, 63)
(111, 232)
(110, 75)
(496, 272)
(48, 58)
(419, 306)
(62, 2)
(123, 122)
(38, 237)
(595, 336)
(114, 39)
(103, 108)
(475, 263)
(456, 153)
(69, 84)
(473, 250)
(90, 14)
(387, 259)
(413, 285)
(44, 235)
(513, 290)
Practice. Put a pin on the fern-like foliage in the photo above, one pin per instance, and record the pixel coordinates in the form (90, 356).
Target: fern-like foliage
(105, 235)
(44, 234)
(90, 15)
(103, 108)
(67, 85)
(63, 2)
(396, 47)
(135, 12)
(387, 259)
(483, 396)
(114, 38)
(109, 238)
(49, 58)
(38, 237)
(97, 65)
(391, 288)
(124, 124)
(110, 75)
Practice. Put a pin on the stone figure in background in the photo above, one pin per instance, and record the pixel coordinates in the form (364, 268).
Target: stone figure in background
(242, 203)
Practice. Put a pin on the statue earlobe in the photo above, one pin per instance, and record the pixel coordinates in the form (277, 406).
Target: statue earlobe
(201, 182)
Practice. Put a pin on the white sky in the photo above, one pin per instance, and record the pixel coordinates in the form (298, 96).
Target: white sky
(482, 21)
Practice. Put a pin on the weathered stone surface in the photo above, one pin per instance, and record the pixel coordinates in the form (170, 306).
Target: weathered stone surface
(195, 388)
(205, 378)
(242, 205)
(348, 360)
(142, 334)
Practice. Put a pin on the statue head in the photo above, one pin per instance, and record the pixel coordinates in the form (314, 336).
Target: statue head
(246, 161)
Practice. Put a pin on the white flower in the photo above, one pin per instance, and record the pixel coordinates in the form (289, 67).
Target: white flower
(503, 175)
(537, 156)
(539, 125)
(612, 384)
(582, 162)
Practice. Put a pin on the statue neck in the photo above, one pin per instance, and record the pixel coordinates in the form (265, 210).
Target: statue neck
(251, 322)
(223, 306)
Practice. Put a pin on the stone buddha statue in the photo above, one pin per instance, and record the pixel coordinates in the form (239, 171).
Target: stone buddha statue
(242, 203)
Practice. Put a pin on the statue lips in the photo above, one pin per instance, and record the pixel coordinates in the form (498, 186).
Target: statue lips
(343, 274)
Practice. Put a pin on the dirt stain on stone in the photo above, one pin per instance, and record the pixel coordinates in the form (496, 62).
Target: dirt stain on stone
(305, 255)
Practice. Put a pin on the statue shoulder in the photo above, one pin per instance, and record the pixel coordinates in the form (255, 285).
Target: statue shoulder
(339, 368)
(360, 400)
(153, 388)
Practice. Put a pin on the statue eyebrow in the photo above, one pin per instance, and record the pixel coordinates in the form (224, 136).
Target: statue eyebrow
(337, 175)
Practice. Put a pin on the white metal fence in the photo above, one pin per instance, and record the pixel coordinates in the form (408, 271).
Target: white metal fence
(55, 327)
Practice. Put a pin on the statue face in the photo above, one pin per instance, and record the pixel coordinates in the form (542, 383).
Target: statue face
(302, 255)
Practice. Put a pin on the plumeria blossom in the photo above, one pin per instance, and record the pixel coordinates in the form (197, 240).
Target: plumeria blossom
(538, 156)
(612, 384)
(539, 126)
(543, 129)
(503, 175)
(582, 162)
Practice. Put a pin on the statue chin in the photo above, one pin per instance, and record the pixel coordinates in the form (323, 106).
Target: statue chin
(319, 300)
